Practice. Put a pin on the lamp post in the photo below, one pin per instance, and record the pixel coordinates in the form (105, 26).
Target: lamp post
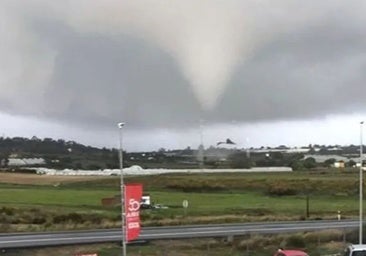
(122, 188)
(361, 182)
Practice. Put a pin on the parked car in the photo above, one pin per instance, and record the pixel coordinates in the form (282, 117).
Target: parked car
(355, 250)
(281, 252)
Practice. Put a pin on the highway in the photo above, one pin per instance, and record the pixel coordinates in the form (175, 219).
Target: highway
(24, 240)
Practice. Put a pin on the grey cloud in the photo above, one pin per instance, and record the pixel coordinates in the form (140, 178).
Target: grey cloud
(291, 68)
(307, 74)
(99, 80)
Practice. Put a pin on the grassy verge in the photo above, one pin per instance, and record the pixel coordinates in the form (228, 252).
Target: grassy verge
(327, 242)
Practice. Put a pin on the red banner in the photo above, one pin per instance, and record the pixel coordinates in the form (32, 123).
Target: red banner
(133, 194)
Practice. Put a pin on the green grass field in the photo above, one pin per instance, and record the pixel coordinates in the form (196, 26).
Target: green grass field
(240, 203)
(229, 197)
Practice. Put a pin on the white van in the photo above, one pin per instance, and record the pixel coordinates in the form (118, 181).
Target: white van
(355, 250)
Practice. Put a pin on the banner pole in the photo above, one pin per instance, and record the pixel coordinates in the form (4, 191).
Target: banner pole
(125, 235)
(132, 196)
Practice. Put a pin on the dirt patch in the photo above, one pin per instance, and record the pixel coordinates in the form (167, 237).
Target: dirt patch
(34, 179)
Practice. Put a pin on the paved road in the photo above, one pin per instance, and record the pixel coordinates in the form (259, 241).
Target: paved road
(23, 240)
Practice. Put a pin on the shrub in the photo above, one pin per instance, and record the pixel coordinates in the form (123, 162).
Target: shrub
(93, 218)
(196, 186)
(281, 189)
(324, 236)
(5, 227)
(7, 210)
(255, 212)
(295, 241)
(352, 236)
(5, 219)
(309, 163)
(39, 220)
(296, 165)
(71, 217)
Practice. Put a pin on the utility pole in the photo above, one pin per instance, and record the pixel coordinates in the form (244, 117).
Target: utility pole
(124, 249)
(361, 182)
(201, 148)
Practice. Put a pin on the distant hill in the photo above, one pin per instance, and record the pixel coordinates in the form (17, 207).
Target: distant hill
(61, 154)
(57, 153)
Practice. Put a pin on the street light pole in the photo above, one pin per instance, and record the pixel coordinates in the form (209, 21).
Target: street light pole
(122, 188)
(361, 182)
(201, 148)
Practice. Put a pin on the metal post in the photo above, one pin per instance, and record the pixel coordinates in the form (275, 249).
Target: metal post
(361, 182)
(201, 148)
(307, 206)
(122, 188)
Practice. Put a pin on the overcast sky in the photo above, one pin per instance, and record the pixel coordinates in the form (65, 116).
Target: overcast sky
(261, 72)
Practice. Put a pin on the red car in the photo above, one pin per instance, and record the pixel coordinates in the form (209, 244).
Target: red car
(290, 253)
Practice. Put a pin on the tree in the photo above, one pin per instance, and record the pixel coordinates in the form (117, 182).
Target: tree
(277, 155)
(329, 162)
(241, 163)
(296, 165)
(309, 163)
(4, 159)
(239, 160)
(351, 163)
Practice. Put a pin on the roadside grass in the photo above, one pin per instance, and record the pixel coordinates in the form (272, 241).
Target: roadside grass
(327, 242)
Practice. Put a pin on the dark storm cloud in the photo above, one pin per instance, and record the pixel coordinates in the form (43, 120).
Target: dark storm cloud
(99, 80)
(127, 79)
(164, 68)
(300, 75)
